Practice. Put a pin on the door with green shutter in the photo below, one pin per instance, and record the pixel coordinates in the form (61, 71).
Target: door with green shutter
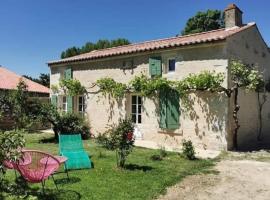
(169, 109)
(155, 66)
(68, 75)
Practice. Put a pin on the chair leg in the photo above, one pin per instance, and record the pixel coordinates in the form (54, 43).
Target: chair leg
(66, 170)
(15, 174)
(55, 183)
(43, 186)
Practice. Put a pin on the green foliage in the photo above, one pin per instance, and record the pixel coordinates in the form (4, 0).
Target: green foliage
(104, 181)
(72, 123)
(188, 150)
(72, 51)
(55, 89)
(72, 87)
(89, 46)
(15, 104)
(204, 81)
(120, 139)
(10, 142)
(110, 87)
(148, 87)
(43, 79)
(204, 21)
(246, 76)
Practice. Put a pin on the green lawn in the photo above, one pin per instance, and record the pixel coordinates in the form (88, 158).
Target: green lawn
(143, 178)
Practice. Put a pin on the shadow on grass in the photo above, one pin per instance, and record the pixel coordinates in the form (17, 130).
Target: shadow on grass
(48, 140)
(71, 180)
(22, 190)
(133, 167)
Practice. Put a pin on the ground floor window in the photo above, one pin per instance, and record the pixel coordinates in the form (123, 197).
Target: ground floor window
(136, 109)
(81, 104)
(64, 103)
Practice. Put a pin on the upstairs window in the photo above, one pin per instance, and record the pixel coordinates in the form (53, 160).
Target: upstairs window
(136, 109)
(171, 65)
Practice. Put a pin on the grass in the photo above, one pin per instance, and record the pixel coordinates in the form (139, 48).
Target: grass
(143, 177)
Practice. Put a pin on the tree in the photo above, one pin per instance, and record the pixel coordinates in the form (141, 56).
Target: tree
(43, 79)
(90, 46)
(204, 21)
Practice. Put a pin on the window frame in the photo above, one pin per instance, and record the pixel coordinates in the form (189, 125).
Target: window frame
(137, 113)
(168, 64)
(83, 104)
(64, 104)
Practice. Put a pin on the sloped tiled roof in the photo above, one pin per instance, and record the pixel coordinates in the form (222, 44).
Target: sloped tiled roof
(9, 81)
(205, 37)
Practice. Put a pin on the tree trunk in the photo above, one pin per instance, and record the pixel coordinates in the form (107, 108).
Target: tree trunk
(235, 117)
(259, 136)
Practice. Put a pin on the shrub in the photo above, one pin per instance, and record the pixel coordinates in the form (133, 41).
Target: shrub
(120, 139)
(72, 123)
(188, 150)
(68, 123)
(10, 143)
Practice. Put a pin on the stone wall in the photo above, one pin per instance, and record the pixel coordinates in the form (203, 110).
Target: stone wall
(250, 47)
(205, 122)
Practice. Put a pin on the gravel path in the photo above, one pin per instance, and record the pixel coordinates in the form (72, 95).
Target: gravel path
(239, 177)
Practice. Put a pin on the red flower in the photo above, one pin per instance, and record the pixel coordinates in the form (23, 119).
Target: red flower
(130, 136)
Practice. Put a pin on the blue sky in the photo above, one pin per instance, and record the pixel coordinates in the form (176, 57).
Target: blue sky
(33, 32)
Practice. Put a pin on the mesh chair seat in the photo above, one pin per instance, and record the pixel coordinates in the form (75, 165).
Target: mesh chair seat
(71, 146)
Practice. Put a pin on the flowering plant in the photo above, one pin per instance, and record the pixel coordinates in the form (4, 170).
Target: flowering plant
(119, 138)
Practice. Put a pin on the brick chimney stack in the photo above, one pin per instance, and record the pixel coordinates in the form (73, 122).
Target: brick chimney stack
(233, 16)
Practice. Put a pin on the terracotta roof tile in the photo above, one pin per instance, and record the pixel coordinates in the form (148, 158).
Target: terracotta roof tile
(211, 36)
(9, 81)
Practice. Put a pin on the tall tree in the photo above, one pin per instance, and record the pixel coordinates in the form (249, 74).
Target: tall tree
(204, 21)
(90, 46)
(43, 79)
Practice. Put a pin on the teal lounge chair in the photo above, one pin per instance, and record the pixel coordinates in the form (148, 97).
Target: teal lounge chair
(71, 146)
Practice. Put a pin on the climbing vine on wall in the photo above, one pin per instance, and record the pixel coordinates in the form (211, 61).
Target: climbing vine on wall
(241, 76)
(148, 87)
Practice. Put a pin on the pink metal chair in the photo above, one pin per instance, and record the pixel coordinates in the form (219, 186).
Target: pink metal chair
(9, 164)
(40, 167)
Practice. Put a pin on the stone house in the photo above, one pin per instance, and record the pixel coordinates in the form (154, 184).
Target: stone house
(208, 121)
(9, 81)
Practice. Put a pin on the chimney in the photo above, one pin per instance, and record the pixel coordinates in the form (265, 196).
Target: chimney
(233, 16)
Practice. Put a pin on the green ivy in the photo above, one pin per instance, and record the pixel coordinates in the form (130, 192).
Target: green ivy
(72, 87)
(108, 86)
(151, 86)
(246, 76)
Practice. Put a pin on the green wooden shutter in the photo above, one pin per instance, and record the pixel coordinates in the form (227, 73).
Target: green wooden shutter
(68, 75)
(172, 110)
(54, 100)
(69, 103)
(155, 68)
(162, 109)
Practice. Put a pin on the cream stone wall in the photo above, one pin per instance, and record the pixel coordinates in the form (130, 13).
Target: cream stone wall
(249, 47)
(205, 122)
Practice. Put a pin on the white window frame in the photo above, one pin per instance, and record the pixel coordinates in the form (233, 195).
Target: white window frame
(83, 105)
(137, 114)
(168, 64)
(64, 103)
